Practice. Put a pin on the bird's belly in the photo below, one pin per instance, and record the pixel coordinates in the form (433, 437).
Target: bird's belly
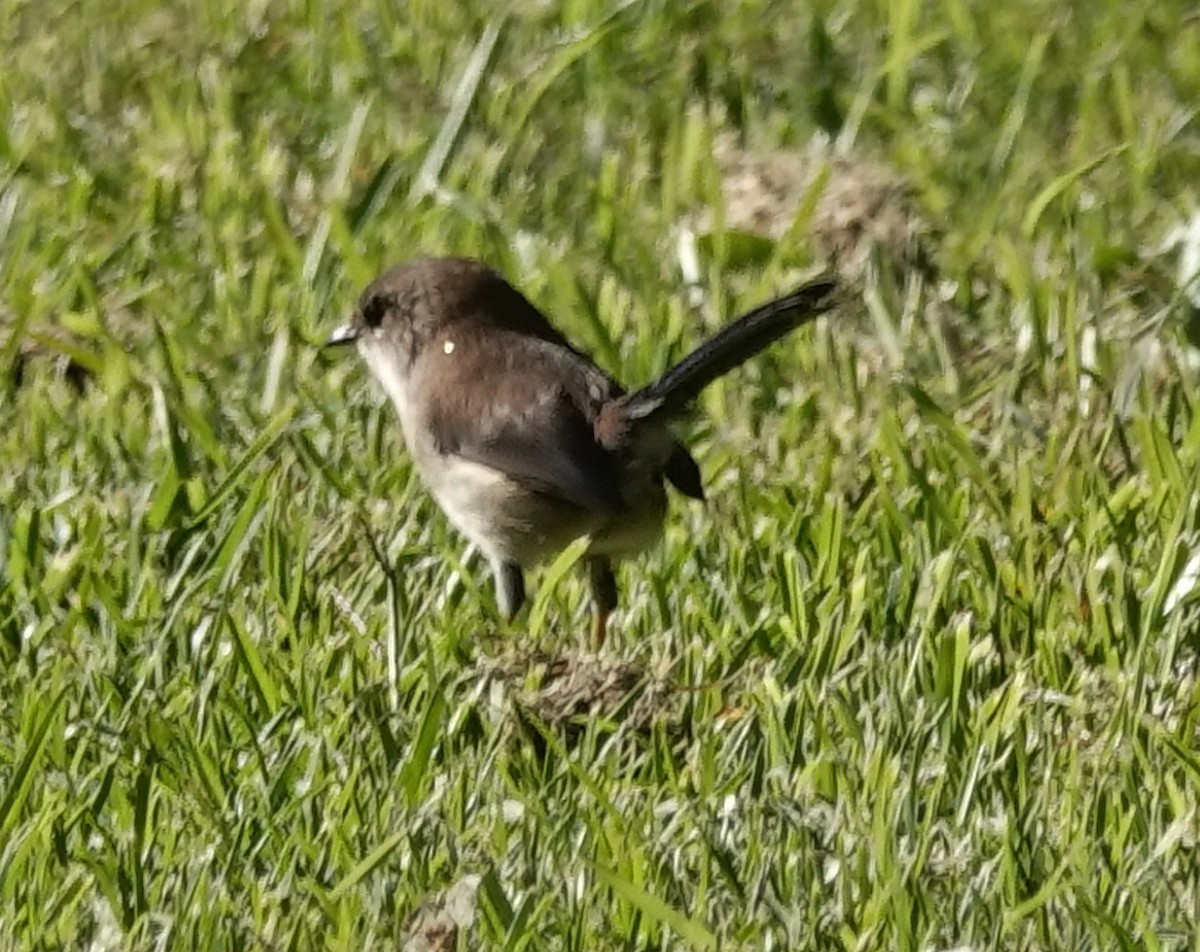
(507, 520)
(513, 523)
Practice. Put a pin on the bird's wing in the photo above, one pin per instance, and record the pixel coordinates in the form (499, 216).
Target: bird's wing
(532, 422)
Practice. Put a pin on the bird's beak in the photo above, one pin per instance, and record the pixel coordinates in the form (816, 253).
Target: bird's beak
(346, 334)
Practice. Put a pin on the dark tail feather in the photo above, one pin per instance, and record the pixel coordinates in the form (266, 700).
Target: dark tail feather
(671, 393)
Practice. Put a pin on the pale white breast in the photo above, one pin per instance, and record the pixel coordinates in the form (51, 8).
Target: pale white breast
(395, 384)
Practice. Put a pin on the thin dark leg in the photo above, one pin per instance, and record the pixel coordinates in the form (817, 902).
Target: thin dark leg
(604, 594)
(510, 588)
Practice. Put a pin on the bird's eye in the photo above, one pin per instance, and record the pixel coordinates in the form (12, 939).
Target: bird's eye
(374, 309)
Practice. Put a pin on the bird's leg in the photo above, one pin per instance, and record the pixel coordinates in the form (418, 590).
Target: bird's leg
(604, 594)
(510, 588)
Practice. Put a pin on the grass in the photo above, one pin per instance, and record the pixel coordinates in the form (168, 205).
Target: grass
(934, 637)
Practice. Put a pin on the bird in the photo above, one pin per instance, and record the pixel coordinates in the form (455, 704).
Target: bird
(524, 443)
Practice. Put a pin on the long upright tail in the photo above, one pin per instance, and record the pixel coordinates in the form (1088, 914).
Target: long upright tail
(734, 344)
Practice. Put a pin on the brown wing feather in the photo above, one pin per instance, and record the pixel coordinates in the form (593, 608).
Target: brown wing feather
(533, 423)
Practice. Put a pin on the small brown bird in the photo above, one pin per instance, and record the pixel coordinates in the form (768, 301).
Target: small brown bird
(525, 444)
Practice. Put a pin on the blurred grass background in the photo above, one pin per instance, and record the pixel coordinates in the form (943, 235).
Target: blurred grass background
(931, 644)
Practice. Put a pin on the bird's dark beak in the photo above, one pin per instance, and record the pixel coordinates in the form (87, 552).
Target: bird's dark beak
(346, 334)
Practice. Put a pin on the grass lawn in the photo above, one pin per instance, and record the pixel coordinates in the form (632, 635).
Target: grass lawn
(921, 675)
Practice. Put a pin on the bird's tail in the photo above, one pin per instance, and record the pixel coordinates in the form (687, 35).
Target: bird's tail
(672, 393)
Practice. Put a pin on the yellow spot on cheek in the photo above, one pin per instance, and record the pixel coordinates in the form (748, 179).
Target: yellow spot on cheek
(448, 347)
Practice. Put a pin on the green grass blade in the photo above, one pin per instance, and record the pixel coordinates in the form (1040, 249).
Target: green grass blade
(22, 777)
(694, 933)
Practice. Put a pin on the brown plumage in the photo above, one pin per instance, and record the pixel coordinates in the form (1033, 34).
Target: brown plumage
(526, 444)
